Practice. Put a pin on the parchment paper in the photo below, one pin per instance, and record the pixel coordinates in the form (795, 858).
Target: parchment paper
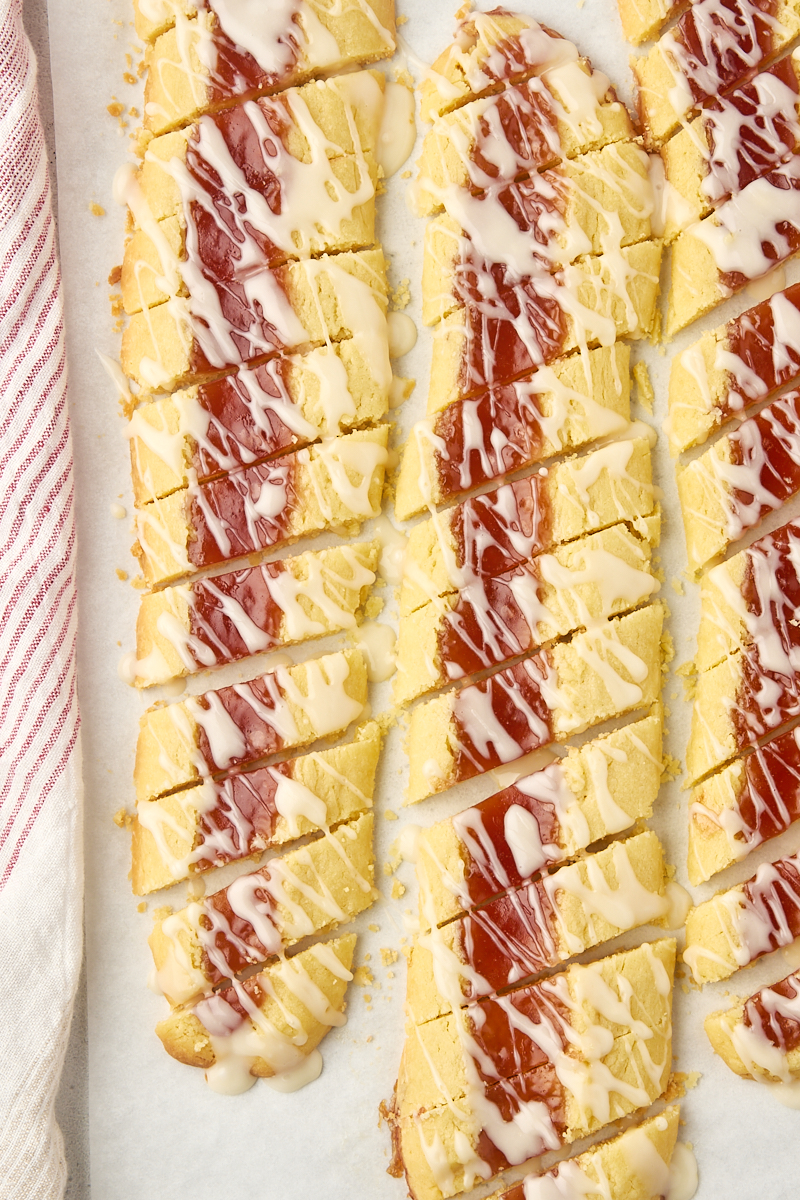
(157, 1132)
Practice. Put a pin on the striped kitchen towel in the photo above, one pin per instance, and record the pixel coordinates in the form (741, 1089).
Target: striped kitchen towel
(41, 874)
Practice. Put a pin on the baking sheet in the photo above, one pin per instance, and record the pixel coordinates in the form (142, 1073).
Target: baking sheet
(156, 1130)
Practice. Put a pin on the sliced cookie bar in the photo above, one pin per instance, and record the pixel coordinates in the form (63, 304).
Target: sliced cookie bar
(330, 485)
(554, 410)
(492, 620)
(207, 735)
(493, 533)
(213, 823)
(185, 629)
(602, 673)
(543, 819)
(759, 1038)
(212, 428)
(737, 926)
(733, 367)
(309, 890)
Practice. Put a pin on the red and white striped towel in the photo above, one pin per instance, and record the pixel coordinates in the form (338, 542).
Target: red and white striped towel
(41, 872)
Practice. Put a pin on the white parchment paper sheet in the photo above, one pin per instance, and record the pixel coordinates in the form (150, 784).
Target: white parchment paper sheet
(156, 1129)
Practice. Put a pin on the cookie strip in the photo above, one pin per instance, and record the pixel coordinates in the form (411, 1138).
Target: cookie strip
(213, 428)
(600, 1050)
(633, 1166)
(489, 52)
(590, 302)
(738, 926)
(594, 204)
(752, 603)
(214, 54)
(759, 1038)
(732, 367)
(737, 139)
(229, 197)
(742, 477)
(241, 320)
(267, 1026)
(331, 485)
(708, 52)
(742, 240)
(307, 891)
(602, 673)
(536, 926)
(492, 620)
(491, 534)
(543, 819)
(569, 110)
(199, 828)
(554, 410)
(209, 622)
(287, 708)
(750, 801)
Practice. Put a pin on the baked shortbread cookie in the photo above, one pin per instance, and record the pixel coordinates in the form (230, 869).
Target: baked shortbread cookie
(552, 411)
(285, 709)
(212, 428)
(759, 1038)
(490, 51)
(737, 703)
(492, 620)
(633, 1166)
(733, 367)
(752, 603)
(527, 127)
(309, 890)
(593, 204)
(199, 828)
(543, 819)
(751, 800)
(712, 47)
(736, 139)
(241, 319)
(534, 1070)
(267, 1026)
(491, 534)
(643, 19)
(738, 926)
(536, 926)
(744, 239)
(208, 58)
(742, 477)
(252, 187)
(335, 484)
(605, 672)
(185, 629)
(590, 302)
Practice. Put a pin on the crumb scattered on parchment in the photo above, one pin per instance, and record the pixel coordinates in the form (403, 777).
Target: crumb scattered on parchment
(123, 818)
(133, 112)
(123, 575)
(373, 928)
(374, 607)
(644, 388)
(129, 78)
(115, 300)
(161, 914)
(401, 20)
(405, 174)
(114, 276)
(677, 586)
(363, 977)
(138, 582)
(660, 575)
(388, 955)
(400, 297)
(672, 767)
(115, 108)
(142, 907)
(369, 1037)
(97, 210)
(390, 816)
(398, 890)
